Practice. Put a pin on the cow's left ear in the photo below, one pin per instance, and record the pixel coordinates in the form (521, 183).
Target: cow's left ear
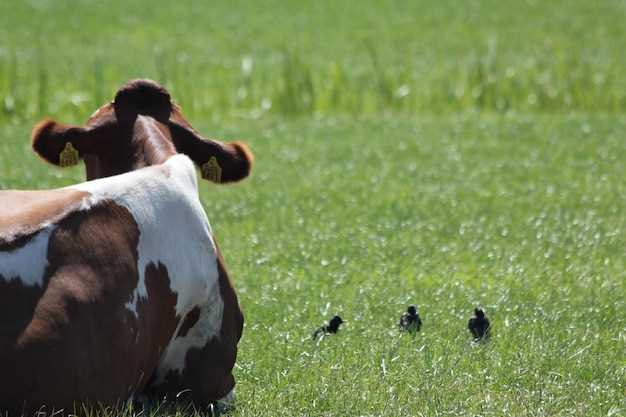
(61, 144)
(219, 162)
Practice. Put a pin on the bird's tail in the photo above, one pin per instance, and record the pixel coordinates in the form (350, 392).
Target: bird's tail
(317, 333)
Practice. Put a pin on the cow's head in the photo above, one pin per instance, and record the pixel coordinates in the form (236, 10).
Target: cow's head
(140, 127)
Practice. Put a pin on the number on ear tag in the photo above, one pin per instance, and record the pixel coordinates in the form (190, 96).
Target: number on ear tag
(68, 156)
(212, 171)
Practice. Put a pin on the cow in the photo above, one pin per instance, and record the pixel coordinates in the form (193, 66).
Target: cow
(115, 288)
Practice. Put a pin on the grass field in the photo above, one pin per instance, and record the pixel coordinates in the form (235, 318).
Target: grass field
(447, 154)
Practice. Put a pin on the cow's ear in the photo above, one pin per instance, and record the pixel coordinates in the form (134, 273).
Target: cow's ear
(219, 162)
(60, 144)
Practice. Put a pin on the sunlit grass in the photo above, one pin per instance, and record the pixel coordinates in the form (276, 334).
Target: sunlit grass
(406, 153)
(483, 79)
(522, 215)
(298, 59)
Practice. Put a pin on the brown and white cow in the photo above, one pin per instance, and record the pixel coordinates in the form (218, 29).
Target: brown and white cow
(115, 287)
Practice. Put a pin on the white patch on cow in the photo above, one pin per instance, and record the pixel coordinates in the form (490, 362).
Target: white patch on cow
(27, 263)
(206, 328)
(173, 227)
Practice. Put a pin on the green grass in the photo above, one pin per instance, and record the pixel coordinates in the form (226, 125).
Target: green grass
(306, 57)
(437, 154)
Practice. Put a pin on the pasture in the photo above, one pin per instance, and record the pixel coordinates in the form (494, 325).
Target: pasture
(444, 154)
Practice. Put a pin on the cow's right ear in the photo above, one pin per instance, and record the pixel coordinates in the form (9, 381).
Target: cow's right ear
(59, 144)
(219, 162)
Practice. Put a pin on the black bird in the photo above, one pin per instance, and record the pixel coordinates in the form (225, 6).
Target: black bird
(332, 328)
(410, 321)
(479, 325)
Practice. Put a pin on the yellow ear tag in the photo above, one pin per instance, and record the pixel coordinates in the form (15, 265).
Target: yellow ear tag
(68, 156)
(212, 171)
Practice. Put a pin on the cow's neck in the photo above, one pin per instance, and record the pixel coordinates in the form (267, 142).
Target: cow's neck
(153, 142)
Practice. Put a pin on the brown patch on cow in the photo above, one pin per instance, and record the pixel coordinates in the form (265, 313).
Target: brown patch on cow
(207, 375)
(74, 340)
(190, 320)
(23, 213)
(158, 321)
(17, 301)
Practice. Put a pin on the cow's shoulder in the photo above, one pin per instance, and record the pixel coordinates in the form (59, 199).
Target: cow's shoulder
(154, 185)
